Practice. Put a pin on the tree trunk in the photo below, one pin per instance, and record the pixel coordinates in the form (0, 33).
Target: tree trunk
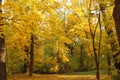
(99, 50)
(81, 57)
(97, 64)
(31, 55)
(116, 15)
(25, 66)
(2, 59)
(109, 63)
(2, 50)
(97, 71)
(26, 60)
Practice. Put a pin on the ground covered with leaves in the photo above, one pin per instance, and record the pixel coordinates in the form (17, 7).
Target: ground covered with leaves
(56, 77)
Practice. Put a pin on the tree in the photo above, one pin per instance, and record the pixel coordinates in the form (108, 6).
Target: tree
(90, 17)
(31, 55)
(107, 18)
(3, 75)
(116, 15)
(93, 33)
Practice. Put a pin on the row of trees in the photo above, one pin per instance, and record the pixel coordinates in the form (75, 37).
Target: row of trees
(55, 33)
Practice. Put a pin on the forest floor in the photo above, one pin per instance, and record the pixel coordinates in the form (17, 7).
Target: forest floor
(56, 77)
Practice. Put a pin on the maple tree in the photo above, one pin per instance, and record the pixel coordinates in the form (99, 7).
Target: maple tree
(49, 36)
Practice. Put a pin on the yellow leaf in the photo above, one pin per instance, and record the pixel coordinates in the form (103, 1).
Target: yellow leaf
(64, 39)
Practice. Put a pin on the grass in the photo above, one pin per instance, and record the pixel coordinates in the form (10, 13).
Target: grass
(92, 72)
(57, 77)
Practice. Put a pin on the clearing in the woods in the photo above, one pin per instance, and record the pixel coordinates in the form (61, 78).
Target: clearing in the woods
(56, 77)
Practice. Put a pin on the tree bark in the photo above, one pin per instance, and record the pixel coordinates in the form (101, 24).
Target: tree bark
(2, 60)
(26, 60)
(81, 57)
(31, 55)
(97, 71)
(25, 66)
(109, 63)
(116, 15)
(2, 50)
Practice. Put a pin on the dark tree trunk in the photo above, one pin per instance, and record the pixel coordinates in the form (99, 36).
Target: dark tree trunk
(31, 55)
(2, 50)
(109, 63)
(97, 71)
(96, 59)
(26, 61)
(2, 59)
(116, 15)
(81, 57)
(97, 65)
(25, 66)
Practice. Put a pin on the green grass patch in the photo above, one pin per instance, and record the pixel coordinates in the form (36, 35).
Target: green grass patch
(93, 72)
